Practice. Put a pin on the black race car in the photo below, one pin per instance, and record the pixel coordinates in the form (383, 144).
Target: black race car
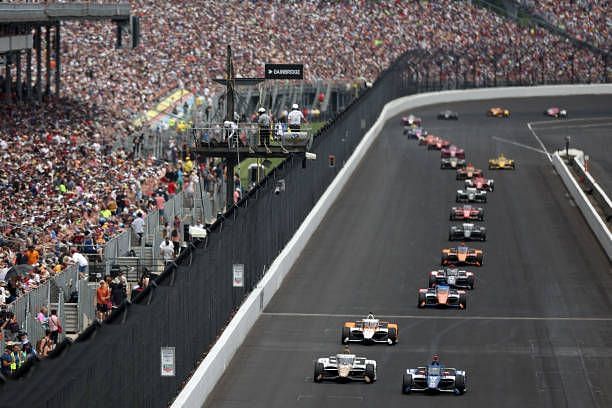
(448, 115)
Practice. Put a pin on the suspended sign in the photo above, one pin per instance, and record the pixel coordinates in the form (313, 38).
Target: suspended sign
(284, 71)
(238, 275)
(168, 363)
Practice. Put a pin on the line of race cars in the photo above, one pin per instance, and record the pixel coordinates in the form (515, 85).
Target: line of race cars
(447, 287)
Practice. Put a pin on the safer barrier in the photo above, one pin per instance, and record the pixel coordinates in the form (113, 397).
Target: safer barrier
(211, 369)
(594, 188)
(591, 216)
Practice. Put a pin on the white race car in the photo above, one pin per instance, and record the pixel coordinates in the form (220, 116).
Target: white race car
(345, 367)
(370, 330)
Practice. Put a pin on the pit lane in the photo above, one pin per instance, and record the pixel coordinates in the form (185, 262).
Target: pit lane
(537, 331)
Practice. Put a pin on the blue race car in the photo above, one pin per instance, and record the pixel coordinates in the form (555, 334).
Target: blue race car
(435, 378)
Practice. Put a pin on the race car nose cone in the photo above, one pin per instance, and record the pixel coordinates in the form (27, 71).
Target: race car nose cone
(343, 371)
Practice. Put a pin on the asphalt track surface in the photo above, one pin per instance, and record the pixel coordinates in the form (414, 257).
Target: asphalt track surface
(537, 331)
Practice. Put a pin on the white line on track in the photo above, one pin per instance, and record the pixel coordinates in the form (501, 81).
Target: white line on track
(556, 122)
(518, 144)
(454, 317)
(560, 126)
(539, 141)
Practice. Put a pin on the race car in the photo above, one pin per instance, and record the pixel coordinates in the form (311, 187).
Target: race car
(462, 255)
(556, 112)
(442, 296)
(453, 277)
(501, 163)
(448, 115)
(345, 367)
(411, 120)
(414, 132)
(452, 163)
(468, 171)
(498, 112)
(428, 139)
(471, 195)
(480, 183)
(439, 144)
(467, 232)
(452, 151)
(369, 330)
(435, 378)
(466, 212)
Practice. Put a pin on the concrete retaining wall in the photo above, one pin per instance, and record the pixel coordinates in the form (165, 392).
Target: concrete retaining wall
(591, 216)
(211, 369)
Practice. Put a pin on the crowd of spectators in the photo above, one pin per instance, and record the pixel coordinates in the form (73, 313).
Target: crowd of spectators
(63, 182)
(586, 20)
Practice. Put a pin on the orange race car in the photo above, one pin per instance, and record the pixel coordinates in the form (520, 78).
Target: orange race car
(468, 172)
(498, 112)
(462, 255)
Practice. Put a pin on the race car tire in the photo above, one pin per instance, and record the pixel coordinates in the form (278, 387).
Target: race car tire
(421, 301)
(318, 372)
(471, 281)
(484, 236)
(480, 259)
(346, 334)
(457, 199)
(432, 281)
(484, 200)
(514, 167)
(451, 216)
(392, 335)
(450, 236)
(370, 374)
(459, 384)
(463, 300)
(407, 383)
(481, 215)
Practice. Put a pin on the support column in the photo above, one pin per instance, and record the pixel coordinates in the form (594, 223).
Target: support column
(7, 77)
(48, 60)
(18, 79)
(58, 53)
(38, 46)
(229, 194)
(118, 44)
(29, 73)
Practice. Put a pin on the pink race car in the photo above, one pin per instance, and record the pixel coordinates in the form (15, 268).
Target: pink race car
(452, 151)
(480, 183)
(556, 112)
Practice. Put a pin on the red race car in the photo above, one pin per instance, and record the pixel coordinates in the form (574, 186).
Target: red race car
(452, 151)
(466, 212)
(468, 171)
(429, 139)
(439, 145)
(480, 183)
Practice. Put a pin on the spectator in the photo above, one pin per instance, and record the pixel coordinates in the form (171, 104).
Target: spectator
(43, 318)
(295, 118)
(175, 236)
(138, 227)
(80, 260)
(45, 345)
(118, 290)
(7, 359)
(166, 250)
(102, 299)
(31, 255)
(55, 326)
(4, 293)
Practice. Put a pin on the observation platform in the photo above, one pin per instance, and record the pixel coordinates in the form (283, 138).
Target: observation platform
(19, 13)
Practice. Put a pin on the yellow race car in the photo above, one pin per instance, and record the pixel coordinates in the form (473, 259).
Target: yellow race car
(498, 112)
(501, 163)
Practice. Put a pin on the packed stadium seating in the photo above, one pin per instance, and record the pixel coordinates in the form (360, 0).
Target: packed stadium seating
(59, 170)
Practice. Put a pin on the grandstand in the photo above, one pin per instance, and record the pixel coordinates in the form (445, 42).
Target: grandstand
(74, 165)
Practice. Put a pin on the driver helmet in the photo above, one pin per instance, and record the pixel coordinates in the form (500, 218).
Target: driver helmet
(435, 358)
(347, 349)
(295, 106)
